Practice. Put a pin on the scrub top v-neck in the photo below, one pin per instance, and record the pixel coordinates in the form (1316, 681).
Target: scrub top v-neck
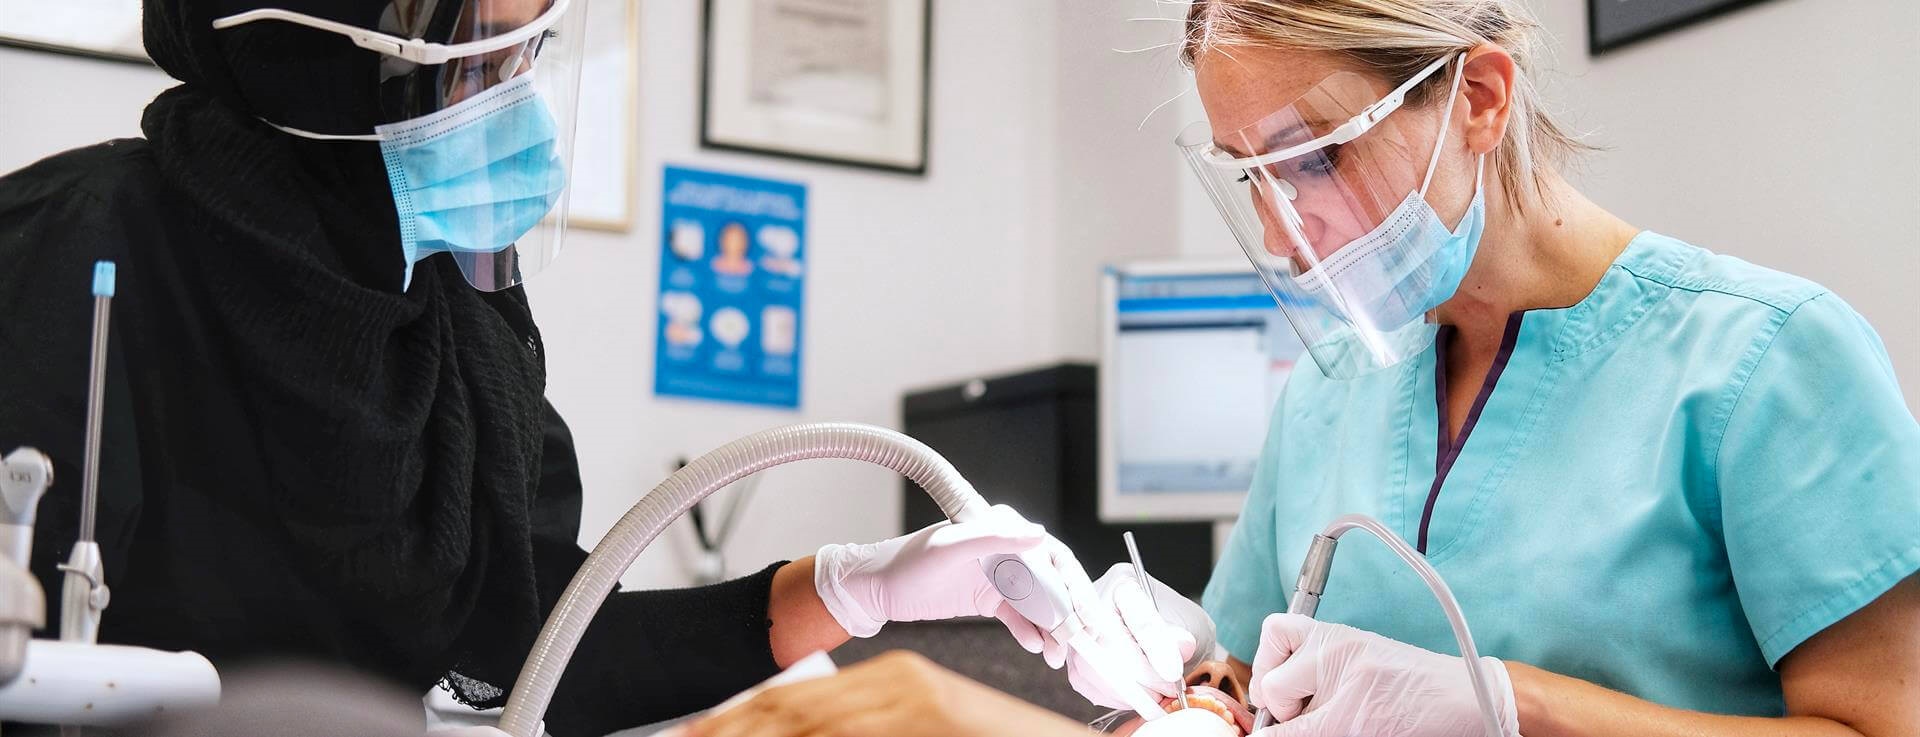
(1662, 489)
(1447, 451)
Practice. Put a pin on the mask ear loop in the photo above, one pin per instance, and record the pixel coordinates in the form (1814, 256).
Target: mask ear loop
(310, 135)
(1446, 119)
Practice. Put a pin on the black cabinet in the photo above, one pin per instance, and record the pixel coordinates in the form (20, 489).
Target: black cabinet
(1031, 441)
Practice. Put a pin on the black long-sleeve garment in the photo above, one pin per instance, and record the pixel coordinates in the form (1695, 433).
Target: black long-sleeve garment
(300, 460)
(241, 526)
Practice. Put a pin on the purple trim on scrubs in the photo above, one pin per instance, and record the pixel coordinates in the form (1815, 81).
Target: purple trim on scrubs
(1450, 448)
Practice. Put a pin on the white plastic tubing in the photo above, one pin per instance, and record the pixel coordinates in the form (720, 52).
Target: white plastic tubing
(711, 472)
(1476, 670)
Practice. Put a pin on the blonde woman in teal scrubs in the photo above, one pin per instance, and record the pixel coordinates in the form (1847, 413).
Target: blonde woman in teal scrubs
(1675, 493)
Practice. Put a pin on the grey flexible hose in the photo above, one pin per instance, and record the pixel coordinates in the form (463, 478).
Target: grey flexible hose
(1312, 582)
(533, 691)
(1469, 654)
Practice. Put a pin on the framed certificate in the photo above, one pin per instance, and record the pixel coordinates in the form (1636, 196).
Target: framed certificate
(606, 145)
(101, 29)
(1612, 24)
(836, 81)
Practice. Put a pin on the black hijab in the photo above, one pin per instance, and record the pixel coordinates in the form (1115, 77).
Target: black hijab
(401, 433)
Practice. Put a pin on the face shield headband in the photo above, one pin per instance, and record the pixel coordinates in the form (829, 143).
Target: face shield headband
(1327, 197)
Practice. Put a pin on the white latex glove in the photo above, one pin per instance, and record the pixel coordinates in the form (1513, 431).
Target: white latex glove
(1362, 683)
(1175, 636)
(467, 732)
(930, 574)
(935, 574)
(1130, 658)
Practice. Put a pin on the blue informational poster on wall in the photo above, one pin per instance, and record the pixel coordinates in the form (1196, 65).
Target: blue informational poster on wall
(732, 267)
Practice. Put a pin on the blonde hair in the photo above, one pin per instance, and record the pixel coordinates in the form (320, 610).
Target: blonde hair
(1396, 39)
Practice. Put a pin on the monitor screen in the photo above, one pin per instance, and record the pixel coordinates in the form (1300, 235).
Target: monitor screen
(1194, 358)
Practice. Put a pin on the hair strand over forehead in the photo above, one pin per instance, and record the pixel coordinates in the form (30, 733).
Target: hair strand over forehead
(1395, 39)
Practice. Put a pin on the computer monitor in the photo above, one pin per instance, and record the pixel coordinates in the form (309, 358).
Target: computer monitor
(1193, 357)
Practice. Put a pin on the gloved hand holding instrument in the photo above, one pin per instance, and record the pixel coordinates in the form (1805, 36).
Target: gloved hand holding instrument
(1117, 651)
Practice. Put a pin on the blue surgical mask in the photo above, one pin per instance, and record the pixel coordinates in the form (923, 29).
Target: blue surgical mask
(1406, 266)
(475, 176)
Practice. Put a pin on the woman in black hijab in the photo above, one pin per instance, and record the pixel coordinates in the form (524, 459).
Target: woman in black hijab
(305, 458)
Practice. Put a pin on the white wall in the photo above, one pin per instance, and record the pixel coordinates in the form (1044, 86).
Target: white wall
(1786, 133)
(50, 103)
(1111, 192)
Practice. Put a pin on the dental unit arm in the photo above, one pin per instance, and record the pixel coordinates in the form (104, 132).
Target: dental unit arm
(73, 681)
(1312, 583)
(1026, 581)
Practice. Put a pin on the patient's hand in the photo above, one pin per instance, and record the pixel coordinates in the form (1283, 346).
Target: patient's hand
(898, 694)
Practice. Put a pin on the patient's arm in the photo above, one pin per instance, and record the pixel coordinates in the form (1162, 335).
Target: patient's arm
(895, 695)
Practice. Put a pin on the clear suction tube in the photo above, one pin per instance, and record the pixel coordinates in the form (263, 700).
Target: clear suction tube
(1313, 579)
(533, 691)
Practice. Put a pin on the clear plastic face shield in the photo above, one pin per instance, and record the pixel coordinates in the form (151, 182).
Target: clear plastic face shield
(478, 101)
(1322, 195)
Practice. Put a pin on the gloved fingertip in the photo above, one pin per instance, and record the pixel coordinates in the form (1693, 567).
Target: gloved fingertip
(1034, 643)
(1024, 632)
(1149, 709)
(1285, 712)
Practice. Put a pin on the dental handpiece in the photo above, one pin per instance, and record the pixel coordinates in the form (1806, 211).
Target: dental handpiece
(1029, 583)
(1146, 584)
(1305, 601)
(1041, 598)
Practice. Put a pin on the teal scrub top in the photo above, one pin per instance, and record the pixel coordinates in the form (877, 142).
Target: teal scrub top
(1662, 489)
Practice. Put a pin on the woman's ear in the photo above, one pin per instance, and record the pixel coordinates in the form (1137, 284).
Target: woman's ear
(1487, 92)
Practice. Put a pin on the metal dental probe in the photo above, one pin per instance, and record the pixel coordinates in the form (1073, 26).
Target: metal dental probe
(1146, 584)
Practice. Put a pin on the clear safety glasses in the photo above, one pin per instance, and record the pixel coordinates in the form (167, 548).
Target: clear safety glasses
(417, 14)
(1307, 190)
(478, 102)
(437, 53)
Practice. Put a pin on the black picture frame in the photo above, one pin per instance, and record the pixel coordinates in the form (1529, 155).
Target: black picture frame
(919, 168)
(1603, 38)
(75, 51)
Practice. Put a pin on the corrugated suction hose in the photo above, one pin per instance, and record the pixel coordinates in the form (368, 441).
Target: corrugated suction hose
(533, 691)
